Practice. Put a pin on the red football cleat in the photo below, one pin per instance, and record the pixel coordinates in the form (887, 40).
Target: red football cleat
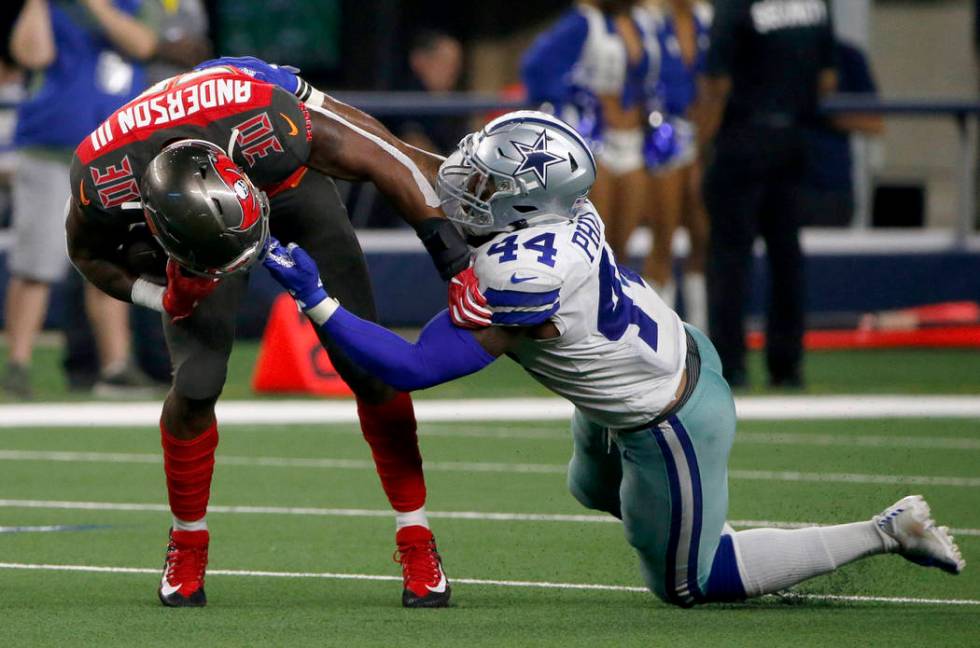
(182, 584)
(426, 585)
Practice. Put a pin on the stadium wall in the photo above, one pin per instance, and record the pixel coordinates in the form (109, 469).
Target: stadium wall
(847, 273)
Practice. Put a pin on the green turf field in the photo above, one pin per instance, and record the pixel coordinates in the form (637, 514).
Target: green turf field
(309, 563)
(509, 468)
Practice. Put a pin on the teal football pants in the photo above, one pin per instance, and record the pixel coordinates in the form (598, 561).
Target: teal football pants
(669, 485)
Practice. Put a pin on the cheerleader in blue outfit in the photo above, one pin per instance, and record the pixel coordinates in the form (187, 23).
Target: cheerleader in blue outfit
(595, 68)
(671, 154)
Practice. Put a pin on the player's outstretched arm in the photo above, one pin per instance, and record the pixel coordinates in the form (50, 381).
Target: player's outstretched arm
(350, 144)
(443, 351)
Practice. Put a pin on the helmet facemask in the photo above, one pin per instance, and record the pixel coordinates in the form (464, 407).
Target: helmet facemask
(522, 169)
(468, 190)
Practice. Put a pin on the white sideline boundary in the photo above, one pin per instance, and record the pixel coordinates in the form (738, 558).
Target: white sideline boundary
(479, 467)
(282, 412)
(584, 518)
(560, 433)
(95, 569)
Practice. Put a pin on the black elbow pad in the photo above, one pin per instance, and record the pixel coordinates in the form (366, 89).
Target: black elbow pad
(446, 245)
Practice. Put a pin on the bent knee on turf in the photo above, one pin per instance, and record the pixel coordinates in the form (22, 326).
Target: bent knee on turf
(723, 584)
(596, 499)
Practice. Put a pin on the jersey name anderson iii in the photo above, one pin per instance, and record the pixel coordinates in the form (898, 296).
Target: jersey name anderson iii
(266, 128)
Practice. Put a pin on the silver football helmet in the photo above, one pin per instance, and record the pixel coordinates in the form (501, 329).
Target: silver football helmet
(524, 166)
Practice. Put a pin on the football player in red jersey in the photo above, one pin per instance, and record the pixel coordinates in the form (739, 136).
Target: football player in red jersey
(204, 165)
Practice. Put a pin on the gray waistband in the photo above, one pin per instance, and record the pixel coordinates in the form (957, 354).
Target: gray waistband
(692, 363)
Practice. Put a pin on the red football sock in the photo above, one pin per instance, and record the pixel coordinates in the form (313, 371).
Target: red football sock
(189, 465)
(390, 430)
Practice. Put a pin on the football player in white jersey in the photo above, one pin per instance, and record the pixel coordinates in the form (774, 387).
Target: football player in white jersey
(654, 419)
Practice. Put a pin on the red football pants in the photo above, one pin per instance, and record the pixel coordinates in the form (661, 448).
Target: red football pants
(189, 465)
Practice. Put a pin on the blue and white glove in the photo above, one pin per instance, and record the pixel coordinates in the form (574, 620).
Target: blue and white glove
(284, 76)
(295, 271)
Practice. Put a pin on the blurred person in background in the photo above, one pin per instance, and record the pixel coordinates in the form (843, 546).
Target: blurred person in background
(11, 94)
(434, 66)
(828, 191)
(435, 62)
(82, 56)
(183, 39)
(671, 156)
(768, 65)
(594, 67)
(182, 43)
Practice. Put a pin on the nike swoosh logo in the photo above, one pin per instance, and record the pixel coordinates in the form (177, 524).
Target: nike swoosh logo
(167, 589)
(81, 193)
(292, 126)
(514, 279)
(441, 585)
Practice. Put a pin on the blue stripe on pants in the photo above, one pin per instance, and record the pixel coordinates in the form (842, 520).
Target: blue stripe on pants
(685, 530)
(692, 466)
(670, 573)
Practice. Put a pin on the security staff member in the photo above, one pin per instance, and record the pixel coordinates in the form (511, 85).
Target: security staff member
(768, 64)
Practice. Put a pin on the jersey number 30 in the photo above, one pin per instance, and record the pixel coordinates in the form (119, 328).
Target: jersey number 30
(616, 310)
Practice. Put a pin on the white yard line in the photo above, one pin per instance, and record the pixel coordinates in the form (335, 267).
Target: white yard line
(560, 434)
(584, 518)
(478, 466)
(282, 412)
(49, 528)
(465, 581)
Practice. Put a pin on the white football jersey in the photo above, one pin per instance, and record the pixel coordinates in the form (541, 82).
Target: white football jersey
(620, 353)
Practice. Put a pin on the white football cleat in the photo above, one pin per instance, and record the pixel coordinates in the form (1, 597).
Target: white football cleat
(909, 523)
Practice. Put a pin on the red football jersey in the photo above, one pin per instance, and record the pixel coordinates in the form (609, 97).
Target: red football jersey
(267, 129)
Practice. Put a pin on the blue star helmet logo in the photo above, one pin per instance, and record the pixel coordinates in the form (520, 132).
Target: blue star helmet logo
(536, 157)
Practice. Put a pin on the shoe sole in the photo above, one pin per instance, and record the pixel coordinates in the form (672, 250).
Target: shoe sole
(180, 601)
(433, 600)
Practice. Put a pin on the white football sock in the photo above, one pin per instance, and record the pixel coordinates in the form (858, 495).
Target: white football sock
(667, 292)
(196, 525)
(411, 518)
(773, 559)
(695, 300)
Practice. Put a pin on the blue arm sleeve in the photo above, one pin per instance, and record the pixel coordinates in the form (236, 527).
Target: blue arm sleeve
(546, 66)
(443, 352)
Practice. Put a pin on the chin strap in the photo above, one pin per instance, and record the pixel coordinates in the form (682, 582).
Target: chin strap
(445, 245)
